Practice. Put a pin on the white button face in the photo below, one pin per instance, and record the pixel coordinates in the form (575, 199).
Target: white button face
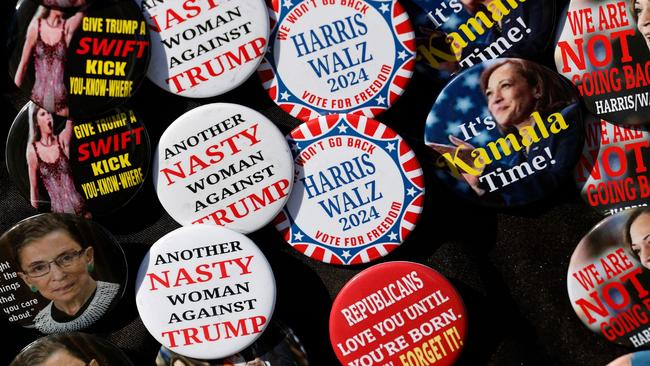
(359, 190)
(223, 164)
(338, 57)
(205, 292)
(205, 48)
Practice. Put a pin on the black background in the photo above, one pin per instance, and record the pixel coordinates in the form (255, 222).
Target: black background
(510, 267)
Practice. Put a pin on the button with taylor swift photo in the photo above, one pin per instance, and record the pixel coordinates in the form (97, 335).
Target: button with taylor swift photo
(358, 191)
(612, 173)
(330, 57)
(608, 279)
(71, 349)
(78, 62)
(88, 167)
(60, 273)
(278, 345)
(398, 313)
(205, 291)
(603, 48)
(223, 164)
(202, 49)
(505, 132)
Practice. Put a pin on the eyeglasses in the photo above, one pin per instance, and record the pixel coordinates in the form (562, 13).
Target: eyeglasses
(65, 260)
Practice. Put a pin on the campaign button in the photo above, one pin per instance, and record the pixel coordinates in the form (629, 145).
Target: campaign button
(358, 190)
(329, 57)
(205, 291)
(612, 174)
(60, 273)
(277, 346)
(398, 313)
(640, 358)
(88, 167)
(608, 279)
(206, 48)
(71, 349)
(506, 132)
(79, 62)
(223, 164)
(64, 4)
(603, 48)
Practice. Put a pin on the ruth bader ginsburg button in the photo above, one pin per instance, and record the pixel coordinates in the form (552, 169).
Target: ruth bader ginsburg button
(79, 62)
(60, 273)
(603, 49)
(205, 48)
(608, 278)
(507, 132)
(205, 291)
(84, 167)
(71, 349)
(612, 172)
(223, 164)
(358, 190)
(399, 313)
(335, 56)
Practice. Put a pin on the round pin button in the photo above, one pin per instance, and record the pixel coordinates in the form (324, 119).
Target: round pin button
(603, 49)
(71, 349)
(277, 346)
(223, 164)
(608, 279)
(79, 62)
(205, 48)
(612, 172)
(506, 132)
(640, 358)
(358, 190)
(398, 312)
(337, 57)
(60, 273)
(509, 29)
(84, 167)
(205, 291)
(63, 4)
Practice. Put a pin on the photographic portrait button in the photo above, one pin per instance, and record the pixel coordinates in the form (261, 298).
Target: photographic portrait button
(88, 167)
(71, 349)
(505, 133)
(60, 273)
(278, 345)
(223, 164)
(205, 48)
(640, 358)
(328, 57)
(612, 172)
(78, 62)
(398, 313)
(603, 48)
(205, 291)
(608, 280)
(358, 190)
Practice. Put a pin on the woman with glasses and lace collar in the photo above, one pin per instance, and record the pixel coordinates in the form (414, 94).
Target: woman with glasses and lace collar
(54, 261)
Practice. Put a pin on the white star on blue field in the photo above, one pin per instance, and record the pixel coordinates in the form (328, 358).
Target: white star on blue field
(460, 103)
